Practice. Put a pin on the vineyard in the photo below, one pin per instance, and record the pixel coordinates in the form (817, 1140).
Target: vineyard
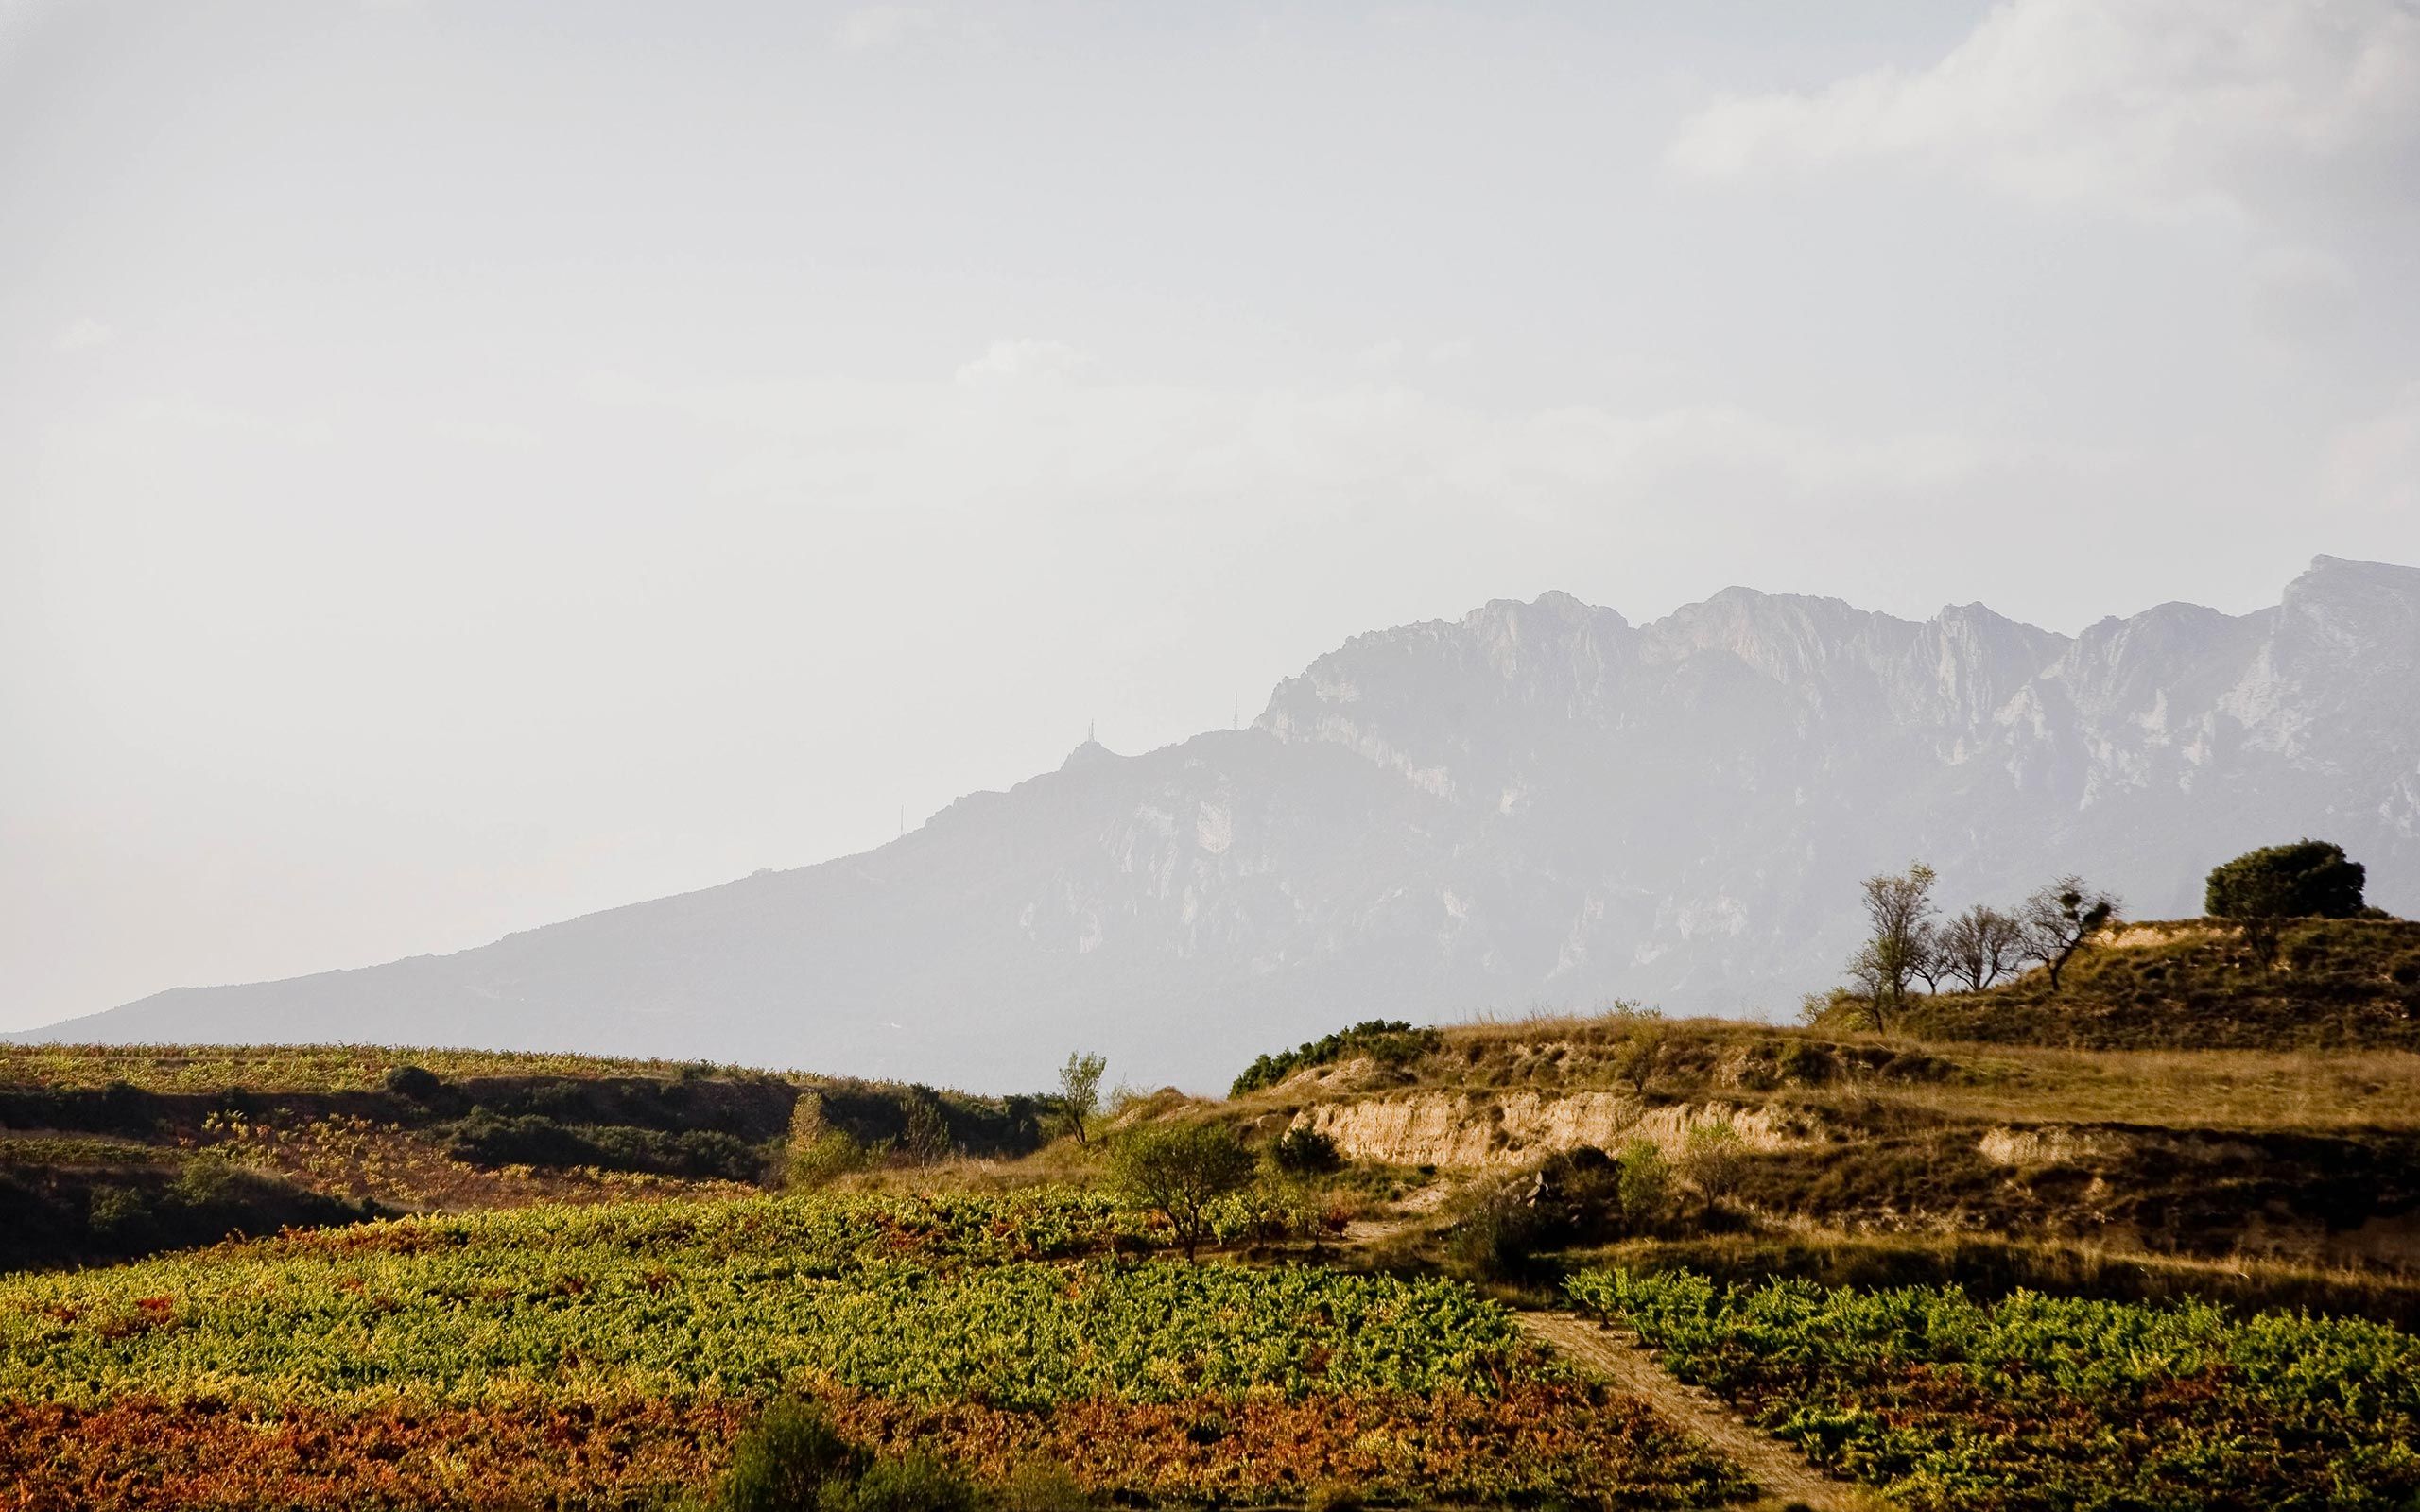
(607, 1356)
(1959, 1405)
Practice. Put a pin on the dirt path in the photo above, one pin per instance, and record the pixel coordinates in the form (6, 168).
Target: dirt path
(1780, 1474)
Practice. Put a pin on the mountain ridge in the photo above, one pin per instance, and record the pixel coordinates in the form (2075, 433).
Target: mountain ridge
(1538, 804)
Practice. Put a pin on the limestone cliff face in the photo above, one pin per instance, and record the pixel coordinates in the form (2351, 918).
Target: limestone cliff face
(1460, 1131)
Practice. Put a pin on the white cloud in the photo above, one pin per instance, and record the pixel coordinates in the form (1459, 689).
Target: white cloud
(871, 28)
(1015, 361)
(81, 334)
(2159, 106)
(1373, 443)
(2374, 464)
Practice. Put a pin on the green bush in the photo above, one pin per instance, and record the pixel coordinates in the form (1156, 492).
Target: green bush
(906, 1483)
(1389, 1041)
(785, 1460)
(1644, 1180)
(2309, 878)
(819, 1161)
(415, 1082)
(1305, 1152)
(1039, 1486)
(1498, 1231)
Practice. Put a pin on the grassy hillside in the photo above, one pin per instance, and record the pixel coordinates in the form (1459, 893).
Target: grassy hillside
(112, 1152)
(2267, 1176)
(2194, 984)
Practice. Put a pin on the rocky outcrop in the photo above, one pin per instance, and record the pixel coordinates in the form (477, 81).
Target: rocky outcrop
(1475, 1131)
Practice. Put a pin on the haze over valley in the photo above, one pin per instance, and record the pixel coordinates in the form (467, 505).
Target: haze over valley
(1538, 805)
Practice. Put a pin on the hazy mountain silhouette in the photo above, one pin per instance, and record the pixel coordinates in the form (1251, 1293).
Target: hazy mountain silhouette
(1538, 804)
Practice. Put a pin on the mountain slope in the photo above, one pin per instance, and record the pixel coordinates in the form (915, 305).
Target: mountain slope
(1539, 803)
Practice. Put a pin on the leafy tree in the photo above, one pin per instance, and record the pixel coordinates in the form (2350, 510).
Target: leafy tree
(1979, 946)
(1177, 1170)
(928, 1139)
(2261, 889)
(2057, 921)
(1898, 911)
(1079, 1091)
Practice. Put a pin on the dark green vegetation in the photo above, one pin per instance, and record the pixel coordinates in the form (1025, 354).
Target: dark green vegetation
(105, 1155)
(2030, 1401)
(2309, 878)
(1385, 1041)
(96, 1198)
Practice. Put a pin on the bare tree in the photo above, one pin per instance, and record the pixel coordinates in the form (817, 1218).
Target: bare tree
(2059, 918)
(1981, 946)
(1079, 1092)
(1898, 911)
(1932, 960)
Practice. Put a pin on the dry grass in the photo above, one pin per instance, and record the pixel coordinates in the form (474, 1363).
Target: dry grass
(297, 1068)
(2246, 1090)
(2315, 1091)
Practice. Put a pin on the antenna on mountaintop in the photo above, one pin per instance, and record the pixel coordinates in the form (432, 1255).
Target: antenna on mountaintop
(1089, 737)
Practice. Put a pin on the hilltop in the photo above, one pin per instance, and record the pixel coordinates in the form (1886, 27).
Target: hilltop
(2195, 983)
(1538, 802)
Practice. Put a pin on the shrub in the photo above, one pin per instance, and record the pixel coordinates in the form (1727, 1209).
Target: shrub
(1305, 1152)
(927, 1140)
(418, 1083)
(1636, 1055)
(1333, 1496)
(1498, 1232)
(484, 1138)
(1716, 1160)
(1039, 1486)
(830, 1155)
(907, 1483)
(119, 1212)
(1644, 1180)
(784, 1461)
(711, 1152)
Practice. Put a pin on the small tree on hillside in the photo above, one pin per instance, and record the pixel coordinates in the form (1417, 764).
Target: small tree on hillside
(1079, 1092)
(1981, 945)
(2262, 890)
(1177, 1170)
(2057, 921)
(1898, 910)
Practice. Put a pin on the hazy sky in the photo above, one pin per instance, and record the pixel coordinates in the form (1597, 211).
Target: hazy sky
(463, 465)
